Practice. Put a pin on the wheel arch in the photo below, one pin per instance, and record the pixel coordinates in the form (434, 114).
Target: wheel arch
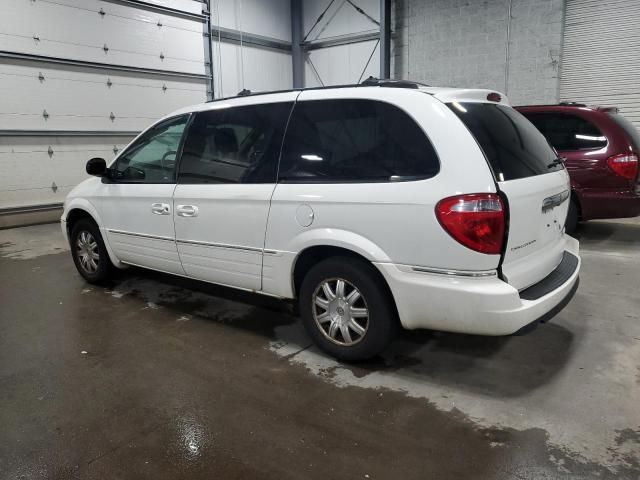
(312, 255)
(74, 215)
(315, 245)
(78, 209)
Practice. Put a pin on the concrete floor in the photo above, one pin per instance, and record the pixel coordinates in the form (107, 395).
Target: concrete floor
(158, 377)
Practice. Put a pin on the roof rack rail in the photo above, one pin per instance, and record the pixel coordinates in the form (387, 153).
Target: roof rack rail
(388, 82)
(369, 82)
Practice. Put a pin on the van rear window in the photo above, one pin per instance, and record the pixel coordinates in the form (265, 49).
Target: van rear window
(513, 146)
(628, 127)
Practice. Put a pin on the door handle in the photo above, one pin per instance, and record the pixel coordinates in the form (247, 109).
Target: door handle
(160, 208)
(187, 210)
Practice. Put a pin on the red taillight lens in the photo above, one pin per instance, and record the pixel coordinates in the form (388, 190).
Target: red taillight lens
(625, 165)
(475, 220)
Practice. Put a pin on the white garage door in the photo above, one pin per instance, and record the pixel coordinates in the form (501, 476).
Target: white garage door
(79, 78)
(601, 55)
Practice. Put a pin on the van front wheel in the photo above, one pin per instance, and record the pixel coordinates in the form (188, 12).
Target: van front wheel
(89, 252)
(347, 309)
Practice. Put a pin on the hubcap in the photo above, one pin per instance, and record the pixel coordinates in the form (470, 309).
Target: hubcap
(340, 311)
(87, 251)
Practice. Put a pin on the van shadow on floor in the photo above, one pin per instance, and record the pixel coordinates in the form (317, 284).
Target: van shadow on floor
(510, 366)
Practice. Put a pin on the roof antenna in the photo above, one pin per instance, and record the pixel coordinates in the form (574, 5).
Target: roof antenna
(244, 92)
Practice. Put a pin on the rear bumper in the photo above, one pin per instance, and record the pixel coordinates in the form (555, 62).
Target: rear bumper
(474, 305)
(608, 204)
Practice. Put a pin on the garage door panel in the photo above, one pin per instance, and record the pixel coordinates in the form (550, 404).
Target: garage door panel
(82, 99)
(43, 155)
(33, 197)
(132, 36)
(31, 168)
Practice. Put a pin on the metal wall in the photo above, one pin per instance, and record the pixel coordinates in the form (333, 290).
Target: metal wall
(600, 56)
(251, 45)
(79, 78)
(343, 47)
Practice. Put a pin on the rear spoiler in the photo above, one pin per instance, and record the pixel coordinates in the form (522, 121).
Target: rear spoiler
(607, 109)
(574, 104)
(471, 96)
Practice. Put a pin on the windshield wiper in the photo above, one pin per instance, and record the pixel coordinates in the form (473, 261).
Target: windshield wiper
(556, 161)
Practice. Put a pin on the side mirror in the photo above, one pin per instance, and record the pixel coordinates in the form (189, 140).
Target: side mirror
(97, 167)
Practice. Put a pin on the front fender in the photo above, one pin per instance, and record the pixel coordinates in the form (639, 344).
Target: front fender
(79, 203)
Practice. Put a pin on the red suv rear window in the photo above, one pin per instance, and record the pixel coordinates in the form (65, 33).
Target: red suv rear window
(629, 129)
(567, 132)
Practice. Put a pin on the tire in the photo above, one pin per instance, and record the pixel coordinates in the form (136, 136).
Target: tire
(571, 223)
(326, 318)
(89, 252)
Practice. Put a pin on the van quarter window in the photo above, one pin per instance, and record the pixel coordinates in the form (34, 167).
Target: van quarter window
(332, 141)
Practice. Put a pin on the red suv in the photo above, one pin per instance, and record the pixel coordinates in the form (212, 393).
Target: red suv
(601, 150)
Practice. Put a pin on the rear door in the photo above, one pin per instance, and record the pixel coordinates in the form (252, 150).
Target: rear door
(226, 177)
(535, 184)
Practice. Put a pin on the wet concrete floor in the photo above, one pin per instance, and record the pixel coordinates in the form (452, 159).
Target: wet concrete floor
(159, 377)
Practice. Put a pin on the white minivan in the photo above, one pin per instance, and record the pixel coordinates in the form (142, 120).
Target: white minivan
(377, 205)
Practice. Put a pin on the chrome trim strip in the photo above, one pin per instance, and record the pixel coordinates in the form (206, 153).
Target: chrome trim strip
(196, 242)
(143, 235)
(456, 273)
(219, 245)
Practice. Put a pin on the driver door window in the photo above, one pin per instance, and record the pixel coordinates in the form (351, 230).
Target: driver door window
(152, 158)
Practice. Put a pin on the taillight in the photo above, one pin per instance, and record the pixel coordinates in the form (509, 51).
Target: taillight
(475, 220)
(625, 165)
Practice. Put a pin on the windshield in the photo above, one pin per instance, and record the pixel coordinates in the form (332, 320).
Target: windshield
(512, 144)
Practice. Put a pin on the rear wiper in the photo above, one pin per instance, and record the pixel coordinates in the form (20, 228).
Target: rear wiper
(557, 161)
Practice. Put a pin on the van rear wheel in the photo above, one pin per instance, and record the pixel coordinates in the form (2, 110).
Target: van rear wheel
(347, 309)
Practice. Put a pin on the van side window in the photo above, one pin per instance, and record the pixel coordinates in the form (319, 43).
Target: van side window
(567, 132)
(234, 145)
(152, 158)
(331, 141)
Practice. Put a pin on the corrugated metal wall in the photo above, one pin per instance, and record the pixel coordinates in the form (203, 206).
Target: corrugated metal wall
(601, 55)
(79, 78)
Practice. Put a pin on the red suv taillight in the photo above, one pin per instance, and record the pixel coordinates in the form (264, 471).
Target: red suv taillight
(625, 165)
(475, 220)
